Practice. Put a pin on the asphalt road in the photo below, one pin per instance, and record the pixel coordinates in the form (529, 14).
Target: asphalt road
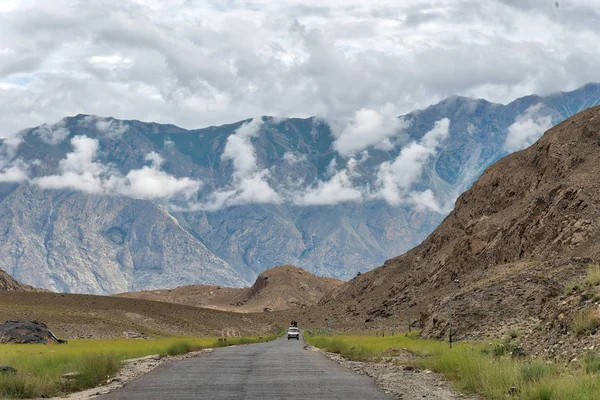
(281, 369)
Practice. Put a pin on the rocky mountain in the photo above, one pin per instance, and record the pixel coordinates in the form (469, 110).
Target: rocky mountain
(280, 288)
(518, 251)
(98, 205)
(8, 284)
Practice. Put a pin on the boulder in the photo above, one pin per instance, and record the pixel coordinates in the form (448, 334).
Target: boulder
(27, 332)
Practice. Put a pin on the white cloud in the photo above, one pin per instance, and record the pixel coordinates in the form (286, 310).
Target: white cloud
(332, 167)
(425, 201)
(292, 158)
(11, 169)
(336, 190)
(111, 128)
(395, 178)
(155, 158)
(151, 184)
(367, 128)
(52, 134)
(199, 63)
(13, 174)
(239, 148)
(80, 171)
(527, 128)
(249, 184)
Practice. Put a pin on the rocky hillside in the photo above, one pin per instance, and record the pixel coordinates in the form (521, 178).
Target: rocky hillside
(280, 288)
(514, 252)
(8, 284)
(97, 205)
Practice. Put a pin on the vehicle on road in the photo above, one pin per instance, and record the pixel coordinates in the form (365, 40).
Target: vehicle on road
(293, 333)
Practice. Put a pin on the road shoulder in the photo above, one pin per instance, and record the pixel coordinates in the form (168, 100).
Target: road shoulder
(403, 382)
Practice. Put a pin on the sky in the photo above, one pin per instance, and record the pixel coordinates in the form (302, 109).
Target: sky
(201, 63)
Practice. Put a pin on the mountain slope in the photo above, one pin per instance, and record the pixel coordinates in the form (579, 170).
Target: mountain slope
(280, 288)
(57, 239)
(8, 284)
(526, 229)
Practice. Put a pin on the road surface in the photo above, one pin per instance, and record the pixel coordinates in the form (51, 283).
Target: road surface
(281, 369)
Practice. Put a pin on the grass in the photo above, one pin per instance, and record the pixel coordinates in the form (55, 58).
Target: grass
(592, 278)
(41, 367)
(590, 281)
(478, 368)
(584, 321)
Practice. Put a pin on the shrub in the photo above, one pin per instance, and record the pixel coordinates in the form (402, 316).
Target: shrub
(591, 362)
(535, 371)
(93, 369)
(513, 333)
(584, 321)
(177, 348)
(592, 278)
(17, 387)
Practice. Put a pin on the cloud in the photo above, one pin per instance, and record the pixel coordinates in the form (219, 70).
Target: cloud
(111, 128)
(196, 63)
(248, 183)
(11, 169)
(239, 149)
(292, 158)
(367, 128)
(527, 128)
(425, 201)
(13, 174)
(80, 171)
(52, 134)
(338, 189)
(395, 178)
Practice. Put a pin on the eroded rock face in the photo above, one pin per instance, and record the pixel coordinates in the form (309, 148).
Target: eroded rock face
(27, 332)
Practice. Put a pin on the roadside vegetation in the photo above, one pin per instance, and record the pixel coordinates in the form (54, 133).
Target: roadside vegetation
(486, 369)
(41, 369)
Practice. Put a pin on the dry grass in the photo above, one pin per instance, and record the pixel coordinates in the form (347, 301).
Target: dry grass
(585, 321)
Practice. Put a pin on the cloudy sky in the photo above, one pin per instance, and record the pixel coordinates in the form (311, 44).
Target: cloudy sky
(199, 63)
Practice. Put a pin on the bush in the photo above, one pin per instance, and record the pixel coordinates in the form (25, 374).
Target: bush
(535, 371)
(584, 321)
(593, 276)
(17, 387)
(591, 362)
(91, 370)
(178, 348)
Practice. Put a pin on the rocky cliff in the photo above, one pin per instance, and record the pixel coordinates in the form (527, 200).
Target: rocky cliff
(514, 253)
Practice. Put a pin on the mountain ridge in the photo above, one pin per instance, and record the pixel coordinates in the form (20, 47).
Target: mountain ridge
(505, 256)
(233, 245)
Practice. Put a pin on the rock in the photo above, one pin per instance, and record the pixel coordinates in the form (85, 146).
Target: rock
(518, 352)
(7, 370)
(27, 332)
(132, 335)
(513, 390)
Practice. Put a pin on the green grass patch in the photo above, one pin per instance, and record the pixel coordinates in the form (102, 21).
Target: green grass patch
(592, 279)
(584, 321)
(488, 370)
(89, 362)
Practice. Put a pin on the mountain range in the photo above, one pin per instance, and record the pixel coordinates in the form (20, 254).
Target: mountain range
(99, 205)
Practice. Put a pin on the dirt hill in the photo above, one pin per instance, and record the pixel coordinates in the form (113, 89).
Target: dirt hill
(526, 230)
(280, 288)
(8, 284)
(72, 316)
